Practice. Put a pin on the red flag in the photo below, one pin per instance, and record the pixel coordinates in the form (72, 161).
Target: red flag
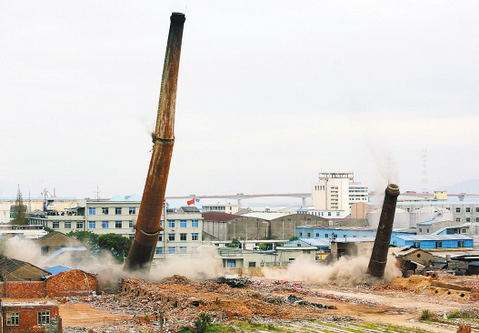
(190, 202)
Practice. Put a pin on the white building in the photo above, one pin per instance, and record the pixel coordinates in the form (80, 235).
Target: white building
(228, 208)
(335, 192)
(183, 229)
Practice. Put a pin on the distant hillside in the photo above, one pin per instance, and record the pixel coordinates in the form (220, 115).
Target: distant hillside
(467, 186)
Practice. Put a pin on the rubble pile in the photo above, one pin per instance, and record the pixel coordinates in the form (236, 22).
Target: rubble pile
(176, 301)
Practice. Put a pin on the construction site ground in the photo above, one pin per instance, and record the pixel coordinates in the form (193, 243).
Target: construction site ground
(260, 305)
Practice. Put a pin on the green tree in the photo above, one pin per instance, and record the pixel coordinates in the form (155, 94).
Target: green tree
(88, 238)
(19, 211)
(116, 244)
(234, 243)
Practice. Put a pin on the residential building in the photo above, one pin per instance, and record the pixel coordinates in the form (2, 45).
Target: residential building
(18, 270)
(182, 234)
(30, 316)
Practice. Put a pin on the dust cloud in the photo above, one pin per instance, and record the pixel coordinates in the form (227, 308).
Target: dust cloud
(204, 264)
(347, 271)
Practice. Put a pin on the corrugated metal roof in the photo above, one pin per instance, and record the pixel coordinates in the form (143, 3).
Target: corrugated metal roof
(433, 237)
(54, 270)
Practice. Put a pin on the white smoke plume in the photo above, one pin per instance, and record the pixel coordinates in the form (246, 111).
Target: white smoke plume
(347, 271)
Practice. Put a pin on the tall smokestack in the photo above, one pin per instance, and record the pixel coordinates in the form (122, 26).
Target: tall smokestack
(148, 222)
(379, 256)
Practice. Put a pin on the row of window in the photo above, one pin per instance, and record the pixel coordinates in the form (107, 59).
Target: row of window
(467, 219)
(183, 237)
(106, 210)
(13, 318)
(171, 250)
(92, 224)
(182, 223)
(468, 209)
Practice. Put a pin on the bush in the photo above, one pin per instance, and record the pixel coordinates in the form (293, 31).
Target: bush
(426, 315)
(202, 323)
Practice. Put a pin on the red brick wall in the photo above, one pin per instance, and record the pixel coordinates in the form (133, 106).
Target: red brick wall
(23, 289)
(28, 318)
(73, 282)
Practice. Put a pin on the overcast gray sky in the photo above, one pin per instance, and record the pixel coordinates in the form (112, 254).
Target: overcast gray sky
(270, 93)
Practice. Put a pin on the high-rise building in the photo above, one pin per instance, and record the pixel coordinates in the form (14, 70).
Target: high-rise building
(337, 191)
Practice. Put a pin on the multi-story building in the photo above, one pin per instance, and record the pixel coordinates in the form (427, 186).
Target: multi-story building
(182, 233)
(335, 192)
(228, 208)
(464, 209)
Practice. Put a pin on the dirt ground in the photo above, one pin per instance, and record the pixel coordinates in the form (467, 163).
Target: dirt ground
(176, 302)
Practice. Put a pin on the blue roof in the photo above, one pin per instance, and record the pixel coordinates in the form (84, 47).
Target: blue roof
(54, 270)
(433, 237)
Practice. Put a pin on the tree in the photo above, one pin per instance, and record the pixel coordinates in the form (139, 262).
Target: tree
(234, 243)
(116, 244)
(88, 238)
(19, 211)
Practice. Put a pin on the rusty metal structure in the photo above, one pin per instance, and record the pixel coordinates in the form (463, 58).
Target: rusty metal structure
(148, 223)
(377, 262)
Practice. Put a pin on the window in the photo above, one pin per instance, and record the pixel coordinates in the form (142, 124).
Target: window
(477, 209)
(159, 250)
(91, 224)
(182, 249)
(117, 210)
(468, 209)
(183, 224)
(194, 236)
(230, 263)
(427, 230)
(13, 319)
(325, 235)
(171, 237)
(438, 244)
(417, 245)
(309, 234)
(104, 225)
(477, 219)
(182, 237)
(468, 219)
(56, 224)
(317, 235)
(91, 211)
(80, 225)
(171, 223)
(118, 225)
(252, 264)
(104, 210)
(329, 213)
(171, 249)
(458, 209)
(458, 219)
(194, 223)
(68, 225)
(160, 237)
(130, 224)
(460, 243)
(300, 234)
(132, 210)
(43, 317)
